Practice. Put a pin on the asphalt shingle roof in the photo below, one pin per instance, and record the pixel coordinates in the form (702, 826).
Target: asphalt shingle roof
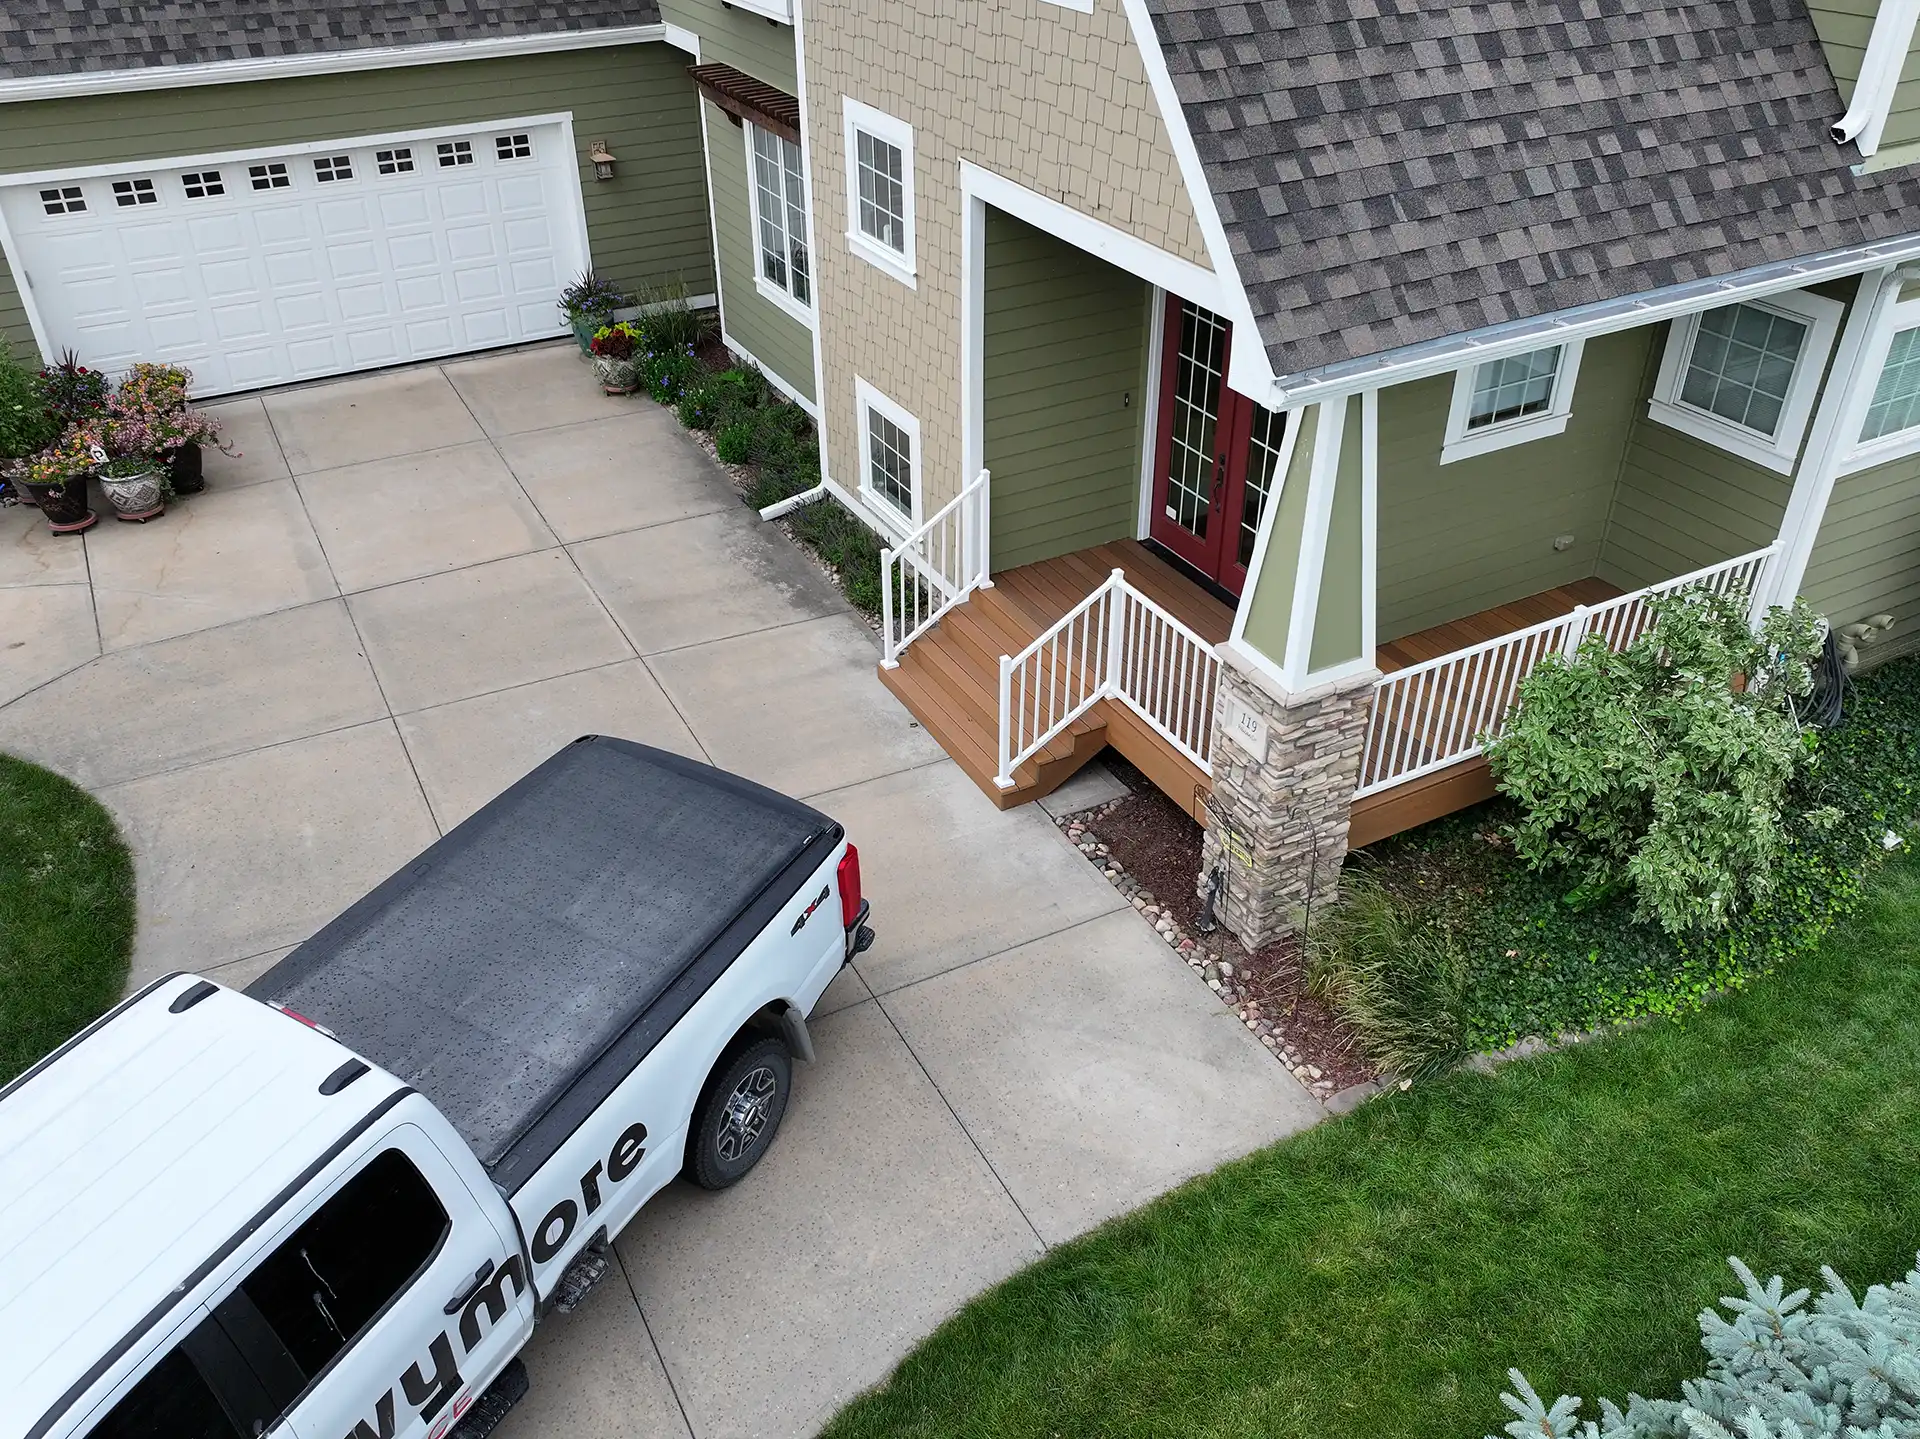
(53, 37)
(1391, 172)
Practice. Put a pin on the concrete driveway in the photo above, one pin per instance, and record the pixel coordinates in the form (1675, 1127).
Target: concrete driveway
(411, 589)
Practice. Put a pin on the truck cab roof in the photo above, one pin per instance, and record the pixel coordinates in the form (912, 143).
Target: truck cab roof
(522, 965)
(137, 1157)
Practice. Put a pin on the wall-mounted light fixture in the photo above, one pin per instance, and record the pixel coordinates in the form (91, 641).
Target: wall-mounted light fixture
(603, 160)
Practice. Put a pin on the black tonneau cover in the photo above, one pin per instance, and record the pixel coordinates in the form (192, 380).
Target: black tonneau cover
(520, 967)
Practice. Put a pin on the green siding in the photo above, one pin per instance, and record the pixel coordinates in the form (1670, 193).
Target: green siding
(1270, 605)
(15, 334)
(1064, 365)
(763, 48)
(646, 226)
(773, 337)
(1903, 115)
(1459, 538)
(1336, 616)
(1866, 560)
(1843, 27)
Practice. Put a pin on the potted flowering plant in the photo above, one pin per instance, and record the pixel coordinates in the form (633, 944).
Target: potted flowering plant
(56, 479)
(589, 303)
(616, 351)
(74, 393)
(130, 470)
(155, 397)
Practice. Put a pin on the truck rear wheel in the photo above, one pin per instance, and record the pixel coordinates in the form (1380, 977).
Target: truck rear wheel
(738, 1115)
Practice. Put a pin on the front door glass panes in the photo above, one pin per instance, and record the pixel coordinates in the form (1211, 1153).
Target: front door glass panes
(1513, 388)
(783, 214)
(337, 1271)
(1201, 368)
(1741, 365)
(1263, 462)
(883, 195)
(1896, 399)
(889, 462)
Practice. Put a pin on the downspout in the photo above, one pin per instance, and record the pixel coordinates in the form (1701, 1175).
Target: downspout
(1880, 69)
(793, 502)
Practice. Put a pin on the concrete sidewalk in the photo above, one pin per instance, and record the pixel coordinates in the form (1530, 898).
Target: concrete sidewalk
(415, 586)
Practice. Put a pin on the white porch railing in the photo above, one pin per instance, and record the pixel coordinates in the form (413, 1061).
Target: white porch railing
(1434, 714)
(1115, 644)
(933, 569)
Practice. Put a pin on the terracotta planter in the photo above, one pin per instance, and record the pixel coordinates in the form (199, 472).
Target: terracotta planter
(65, 506)
(186, 471)
(136, 498)
(616, 376)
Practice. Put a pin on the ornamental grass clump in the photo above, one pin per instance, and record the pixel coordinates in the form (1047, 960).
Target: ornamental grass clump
(1847, 1368)
(1664, 769)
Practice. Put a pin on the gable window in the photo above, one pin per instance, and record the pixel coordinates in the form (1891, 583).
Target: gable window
(1510, 401)
(784, 270)
(889, 453)
(1743, 377)
(63, 200)
(880, 189)
(1890, 424)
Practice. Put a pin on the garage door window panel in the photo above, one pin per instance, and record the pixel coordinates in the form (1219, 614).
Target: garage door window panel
(202, 184)
(512, 147)
(330, 168)
(271, 176)
(64, 200)
(393, 162)
(128, 193)
(454, 152)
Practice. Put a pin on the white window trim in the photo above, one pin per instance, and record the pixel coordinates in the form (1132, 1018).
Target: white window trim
(781, 10)
(881, 126)
(1822, 317)
(769, 291)
(1857, 454)
(866, 398)
(1461, 443)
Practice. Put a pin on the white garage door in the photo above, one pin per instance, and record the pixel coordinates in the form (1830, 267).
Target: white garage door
(315, 262)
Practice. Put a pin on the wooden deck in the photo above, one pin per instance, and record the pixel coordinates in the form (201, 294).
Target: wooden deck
(950, 677)
(1391, 811)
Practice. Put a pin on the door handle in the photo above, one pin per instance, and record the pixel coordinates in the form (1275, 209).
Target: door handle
(459, 1301)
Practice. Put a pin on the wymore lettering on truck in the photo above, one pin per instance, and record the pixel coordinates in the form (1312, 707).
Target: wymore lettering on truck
(334, 1206)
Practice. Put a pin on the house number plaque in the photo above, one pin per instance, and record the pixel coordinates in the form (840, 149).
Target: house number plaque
(1248, 728)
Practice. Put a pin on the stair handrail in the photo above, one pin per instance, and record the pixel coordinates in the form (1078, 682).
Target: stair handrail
(934, 568)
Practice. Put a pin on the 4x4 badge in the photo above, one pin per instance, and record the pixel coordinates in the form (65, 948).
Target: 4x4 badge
(807, 913)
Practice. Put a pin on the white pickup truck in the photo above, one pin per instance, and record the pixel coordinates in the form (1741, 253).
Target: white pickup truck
(333, 1206)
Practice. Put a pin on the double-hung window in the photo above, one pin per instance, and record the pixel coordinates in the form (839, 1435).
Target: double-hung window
(889, 455)
(1511, 400)
(880, 189)
(783, 269)
(1743, 377)
(1889, 426)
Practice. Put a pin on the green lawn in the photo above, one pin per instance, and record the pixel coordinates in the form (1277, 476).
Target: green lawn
(1376, 1277)
(66, 912)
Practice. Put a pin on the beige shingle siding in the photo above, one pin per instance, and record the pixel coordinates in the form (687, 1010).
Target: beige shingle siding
(647, 225)
(772, 336)
(1047, 96)
(761, 47)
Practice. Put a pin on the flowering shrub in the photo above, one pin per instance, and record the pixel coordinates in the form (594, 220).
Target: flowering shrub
(73, 392)
(615, 342)
(148, 414)
(152, 389)
(67, 459)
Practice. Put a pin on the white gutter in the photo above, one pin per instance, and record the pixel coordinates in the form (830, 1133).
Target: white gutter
(1453, 352)
(334, 62)
(1880, 68)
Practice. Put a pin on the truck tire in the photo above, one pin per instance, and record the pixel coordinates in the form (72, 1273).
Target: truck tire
(739, 1113)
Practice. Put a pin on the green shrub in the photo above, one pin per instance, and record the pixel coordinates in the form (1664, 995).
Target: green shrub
(668, 375)
(853, 550)
(734, 443)
(1398, 978)
(669, 322)
(27, 426)
(1777, 1370)
(1646, 769)
(700, 407)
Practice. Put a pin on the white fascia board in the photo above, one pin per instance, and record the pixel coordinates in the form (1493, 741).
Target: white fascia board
(1444, 356)
(333, 62)
(1249, 368)
(1098, 238)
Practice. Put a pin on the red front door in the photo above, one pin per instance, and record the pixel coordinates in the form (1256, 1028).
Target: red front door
(1218, 451)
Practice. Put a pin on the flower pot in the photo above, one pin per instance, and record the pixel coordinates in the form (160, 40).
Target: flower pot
(136, 498)
(65, 506)
(12, 477)
(186, 470)
(583, 328)
(616, 376)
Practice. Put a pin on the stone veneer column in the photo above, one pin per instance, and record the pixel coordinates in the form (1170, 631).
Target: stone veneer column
(1279, 824)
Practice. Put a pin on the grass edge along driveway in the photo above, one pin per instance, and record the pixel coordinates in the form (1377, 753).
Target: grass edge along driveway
(1375, 1277)
(66, 912)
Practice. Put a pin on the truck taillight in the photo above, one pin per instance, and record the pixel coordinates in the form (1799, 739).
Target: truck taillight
(849, 875)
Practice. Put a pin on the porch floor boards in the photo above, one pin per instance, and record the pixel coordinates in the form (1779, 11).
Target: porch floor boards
(949, 678)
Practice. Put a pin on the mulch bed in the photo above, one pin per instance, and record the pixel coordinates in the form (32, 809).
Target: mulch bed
(1158, 845)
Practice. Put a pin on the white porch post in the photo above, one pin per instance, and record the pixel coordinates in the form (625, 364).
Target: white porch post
(1842, 409)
